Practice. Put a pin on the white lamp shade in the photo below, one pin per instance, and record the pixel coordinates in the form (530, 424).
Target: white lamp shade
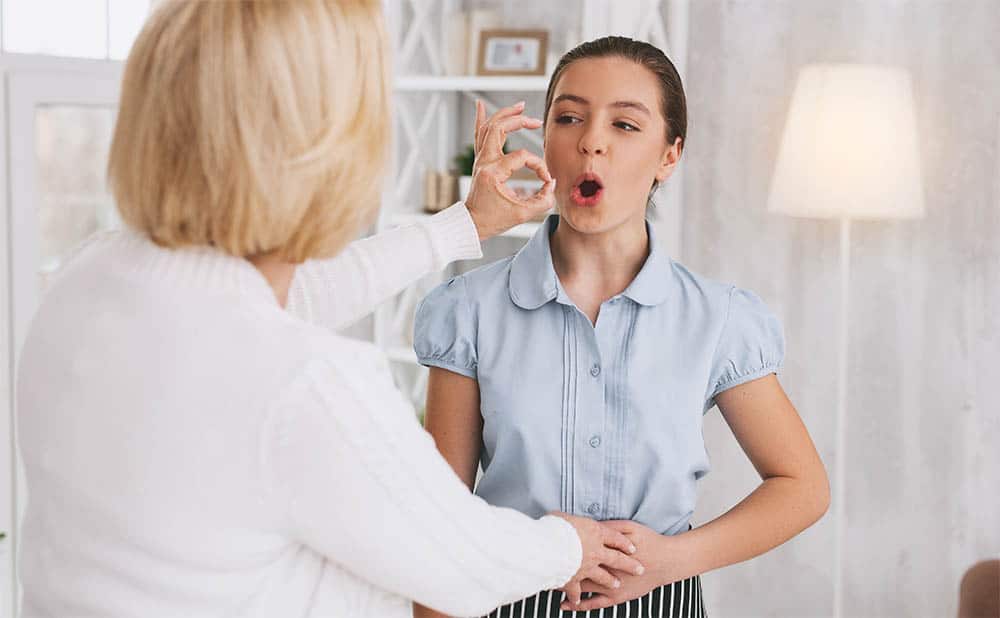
(849, 149)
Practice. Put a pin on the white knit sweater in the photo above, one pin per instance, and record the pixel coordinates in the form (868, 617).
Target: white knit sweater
(192, 449)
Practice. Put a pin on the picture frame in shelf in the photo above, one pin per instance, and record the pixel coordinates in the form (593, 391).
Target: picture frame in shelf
(512, 52)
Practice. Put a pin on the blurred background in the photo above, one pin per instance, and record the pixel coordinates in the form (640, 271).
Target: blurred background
(843, 161)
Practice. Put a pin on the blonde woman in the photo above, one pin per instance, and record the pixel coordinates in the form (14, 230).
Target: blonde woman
(194, 449)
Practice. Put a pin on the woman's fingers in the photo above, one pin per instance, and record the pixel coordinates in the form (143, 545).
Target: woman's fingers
(480, 120)
(603, 577)
(543, 200)
(597, 601)
(496, 133)
(573, 593)
(514, 161)
(617, 540)
(624, 526)
(502, 113)
(619, 561)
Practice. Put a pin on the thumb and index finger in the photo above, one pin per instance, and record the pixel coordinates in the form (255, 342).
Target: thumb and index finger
(543, 199)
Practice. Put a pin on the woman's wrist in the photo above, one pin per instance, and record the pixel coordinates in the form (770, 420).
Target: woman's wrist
(679, 556)
(455, 234)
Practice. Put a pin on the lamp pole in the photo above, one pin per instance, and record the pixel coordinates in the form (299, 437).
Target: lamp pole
(840, 442)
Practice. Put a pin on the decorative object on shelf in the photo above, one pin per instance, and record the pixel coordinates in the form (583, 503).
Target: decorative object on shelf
(430, 191)
(478, 20)
(512, 52)
(447, 189)
(440, 190)
(868, 171)
(456, 60)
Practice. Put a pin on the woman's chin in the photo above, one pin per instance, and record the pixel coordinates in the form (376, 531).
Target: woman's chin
(583, 219)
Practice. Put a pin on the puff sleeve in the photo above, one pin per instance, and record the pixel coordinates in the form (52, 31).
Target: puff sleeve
(444, 329)
(751, 344)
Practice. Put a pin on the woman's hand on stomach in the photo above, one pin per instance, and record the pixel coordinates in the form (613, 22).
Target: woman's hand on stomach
(657, 552)
(606, 551)
(494, 206)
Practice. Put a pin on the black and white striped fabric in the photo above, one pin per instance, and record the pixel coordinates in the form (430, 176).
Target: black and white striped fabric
(681, 599)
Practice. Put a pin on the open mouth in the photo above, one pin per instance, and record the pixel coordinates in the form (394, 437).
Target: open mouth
(587, 189)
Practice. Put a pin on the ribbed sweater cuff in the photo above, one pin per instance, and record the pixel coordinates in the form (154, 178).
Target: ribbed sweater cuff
(454, 235)
(569, 563)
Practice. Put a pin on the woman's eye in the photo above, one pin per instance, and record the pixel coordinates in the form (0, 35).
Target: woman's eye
(625, 126)
(566, 119)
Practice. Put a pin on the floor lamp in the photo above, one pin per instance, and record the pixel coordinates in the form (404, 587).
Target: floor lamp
(849, 152)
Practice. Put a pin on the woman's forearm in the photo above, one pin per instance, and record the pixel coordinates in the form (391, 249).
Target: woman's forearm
(780, 508)
(377, 268)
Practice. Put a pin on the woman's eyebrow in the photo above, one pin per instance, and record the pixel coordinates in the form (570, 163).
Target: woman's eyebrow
(636, 105)
(633, 105)
(571, 97)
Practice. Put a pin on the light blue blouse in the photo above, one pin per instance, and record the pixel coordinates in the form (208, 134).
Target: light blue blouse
(601, 421)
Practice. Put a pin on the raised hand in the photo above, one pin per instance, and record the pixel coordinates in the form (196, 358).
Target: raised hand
(494, 207)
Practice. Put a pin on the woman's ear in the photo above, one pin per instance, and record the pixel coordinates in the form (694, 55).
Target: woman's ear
(669, 160)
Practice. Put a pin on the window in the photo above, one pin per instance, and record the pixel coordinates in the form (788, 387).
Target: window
(84, 28)
(71, 149)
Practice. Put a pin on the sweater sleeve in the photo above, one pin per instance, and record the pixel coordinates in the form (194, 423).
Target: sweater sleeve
(335, 292)
(362, 484)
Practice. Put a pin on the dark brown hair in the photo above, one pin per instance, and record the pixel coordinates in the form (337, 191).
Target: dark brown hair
(673, 103)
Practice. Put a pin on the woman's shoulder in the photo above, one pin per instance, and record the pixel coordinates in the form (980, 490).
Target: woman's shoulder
(489, 277)
(698, 286)
(485, 284)
(725, 299)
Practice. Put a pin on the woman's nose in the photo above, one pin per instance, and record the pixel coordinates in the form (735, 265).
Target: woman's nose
(592, 142)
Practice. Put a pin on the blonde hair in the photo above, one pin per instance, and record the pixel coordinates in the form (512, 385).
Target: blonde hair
(254, 127)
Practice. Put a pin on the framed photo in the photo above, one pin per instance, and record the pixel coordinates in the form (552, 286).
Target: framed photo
(512, 52)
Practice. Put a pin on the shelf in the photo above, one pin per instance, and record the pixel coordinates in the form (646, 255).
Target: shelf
(525, 230)
(475, 83)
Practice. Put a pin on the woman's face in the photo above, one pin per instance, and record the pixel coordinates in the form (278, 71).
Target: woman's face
(605, 142)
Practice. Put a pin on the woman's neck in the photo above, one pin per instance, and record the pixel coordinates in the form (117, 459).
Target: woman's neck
(278, 273)
(599, 266)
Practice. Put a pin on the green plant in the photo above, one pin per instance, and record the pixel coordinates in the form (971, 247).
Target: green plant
(466, 159)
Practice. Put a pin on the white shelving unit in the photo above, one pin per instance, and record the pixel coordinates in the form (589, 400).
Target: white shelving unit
(470, 83)
(427, 121)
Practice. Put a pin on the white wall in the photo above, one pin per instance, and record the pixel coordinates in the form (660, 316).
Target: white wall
(923, 467)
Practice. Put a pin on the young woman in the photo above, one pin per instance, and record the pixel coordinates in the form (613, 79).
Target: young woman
(578, 371)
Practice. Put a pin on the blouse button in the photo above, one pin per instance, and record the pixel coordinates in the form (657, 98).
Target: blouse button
(594, 508)
(595, 370)
(595, 441)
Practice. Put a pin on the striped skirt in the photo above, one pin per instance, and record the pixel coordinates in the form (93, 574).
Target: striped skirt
(681, 599)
